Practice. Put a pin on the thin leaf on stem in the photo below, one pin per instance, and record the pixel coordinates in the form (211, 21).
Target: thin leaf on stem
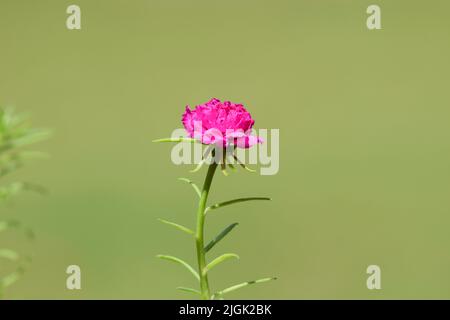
(223, 168)
(196, 188)
(181, 262)
(242, 285)
(204, 158)
(220, 236)
(199, 166)
(230, 202)
(176, 225)
(219, 260)
(243, 165)
(180, 139)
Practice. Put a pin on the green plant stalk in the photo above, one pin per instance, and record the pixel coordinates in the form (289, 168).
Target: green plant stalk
(199, 235)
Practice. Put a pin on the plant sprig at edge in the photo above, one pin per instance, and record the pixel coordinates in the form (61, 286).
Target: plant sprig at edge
(223, 126)
(16, 134)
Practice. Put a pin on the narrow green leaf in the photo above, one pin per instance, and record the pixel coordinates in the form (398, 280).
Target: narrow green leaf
(15, 188)
(220, 236)
(11, 278)
(190, 290)
(242, 285)
(9, 254)
(176, 225)
(11, 190)
(223, 168)
(18, 138)
(179, 261)
(33, 136)
(219, 260)
(223, 164)
(243, 165)
(191, 140)
(198, 167)
(197, 190)
(14, 161)
(204, 158)
(230, 202)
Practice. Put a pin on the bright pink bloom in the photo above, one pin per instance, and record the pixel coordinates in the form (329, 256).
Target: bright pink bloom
(218, 122)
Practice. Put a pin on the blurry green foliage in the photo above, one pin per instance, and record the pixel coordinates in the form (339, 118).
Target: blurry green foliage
(15, 134)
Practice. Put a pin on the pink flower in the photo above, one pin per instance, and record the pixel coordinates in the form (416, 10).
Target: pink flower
(218, 122)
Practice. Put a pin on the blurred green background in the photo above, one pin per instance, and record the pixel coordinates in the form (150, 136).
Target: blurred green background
(364, 162)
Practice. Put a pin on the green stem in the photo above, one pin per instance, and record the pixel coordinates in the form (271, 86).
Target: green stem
(204, 285)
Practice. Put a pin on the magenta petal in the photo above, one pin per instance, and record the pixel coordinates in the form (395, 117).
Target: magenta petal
(187, 122)
(248, 141)
(221, 117)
